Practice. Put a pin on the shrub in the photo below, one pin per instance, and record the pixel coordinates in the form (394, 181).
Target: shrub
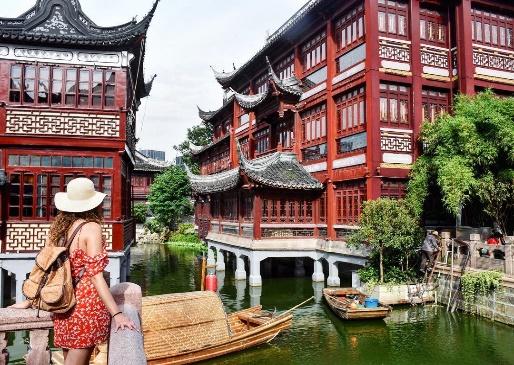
(139, 212)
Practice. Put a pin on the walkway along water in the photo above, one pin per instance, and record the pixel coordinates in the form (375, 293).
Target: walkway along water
(412, 335)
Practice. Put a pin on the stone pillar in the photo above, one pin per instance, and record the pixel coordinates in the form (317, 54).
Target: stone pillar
(255, 271)
(299, 269)
(20, 277)
(509, 260)
(210, 257)
(240, 270)
(114, 269)
(317, 275)
(333, 274)
(220, 260)
(255, 295)
(356, 280)
(317, 288)
(38, 348)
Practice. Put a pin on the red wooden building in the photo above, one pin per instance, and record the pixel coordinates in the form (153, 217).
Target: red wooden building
(69, 93)
(340, 92)
(144, 173)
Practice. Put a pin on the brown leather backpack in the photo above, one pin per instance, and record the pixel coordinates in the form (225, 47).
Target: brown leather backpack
(50, 285)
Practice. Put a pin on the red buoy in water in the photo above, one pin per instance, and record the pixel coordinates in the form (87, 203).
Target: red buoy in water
(211, 282)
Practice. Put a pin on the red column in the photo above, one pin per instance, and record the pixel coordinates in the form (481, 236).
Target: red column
(464, 43)
(373, 150)
(297, 119)
(331, 130)
(416, 87)
(257, 216)
(234, 161)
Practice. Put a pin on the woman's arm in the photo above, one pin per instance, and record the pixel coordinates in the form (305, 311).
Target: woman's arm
(94, 245)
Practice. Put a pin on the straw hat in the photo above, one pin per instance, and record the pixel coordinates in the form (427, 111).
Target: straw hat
(80, 196)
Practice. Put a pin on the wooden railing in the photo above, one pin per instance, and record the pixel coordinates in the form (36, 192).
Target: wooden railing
(127, 296)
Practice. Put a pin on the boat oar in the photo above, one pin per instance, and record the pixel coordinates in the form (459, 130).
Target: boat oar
(296, 307)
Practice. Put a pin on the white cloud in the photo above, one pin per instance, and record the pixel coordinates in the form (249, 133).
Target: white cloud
(184, 39)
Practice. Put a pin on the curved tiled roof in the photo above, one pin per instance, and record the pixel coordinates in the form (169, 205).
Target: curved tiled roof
(225, 79)
(196, 150)
(207, 116)
(290, 87)
(279, 170)
(215, 183)
(62, 22)
(144, 163)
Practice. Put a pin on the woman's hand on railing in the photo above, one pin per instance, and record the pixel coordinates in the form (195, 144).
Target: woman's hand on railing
(121, 321)
(26, 304)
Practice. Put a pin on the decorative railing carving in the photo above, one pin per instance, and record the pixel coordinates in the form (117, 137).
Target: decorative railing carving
(32, 236)
(62, 123)
(287, 232)
(392, 50)
(495, 59)
(392, 141)
(434, 57)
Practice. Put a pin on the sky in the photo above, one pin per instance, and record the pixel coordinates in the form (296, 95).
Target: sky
(185, 38)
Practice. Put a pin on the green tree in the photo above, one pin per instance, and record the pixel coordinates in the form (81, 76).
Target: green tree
(470, 156)
(169, 198)
(391, 232)
(198, 135)
(139, 212)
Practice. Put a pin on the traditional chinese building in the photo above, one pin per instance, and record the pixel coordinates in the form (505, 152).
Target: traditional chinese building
(69, 93)
(145, 170)
(327, 114)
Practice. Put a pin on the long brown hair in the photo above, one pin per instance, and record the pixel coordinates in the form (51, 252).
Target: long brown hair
(65, 220)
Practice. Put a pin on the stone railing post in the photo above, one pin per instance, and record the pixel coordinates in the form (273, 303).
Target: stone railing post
(126, 347)
(509, 260)
(4, 355)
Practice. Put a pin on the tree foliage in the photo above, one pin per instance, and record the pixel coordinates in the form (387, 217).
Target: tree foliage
(198, 135)
(139, 212)
(389, 229)
(169, 198)
(469, 155)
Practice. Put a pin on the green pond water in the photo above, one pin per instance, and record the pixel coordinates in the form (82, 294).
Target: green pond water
(411, 335)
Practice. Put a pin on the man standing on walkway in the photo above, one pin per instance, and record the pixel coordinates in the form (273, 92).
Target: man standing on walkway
(429, 250)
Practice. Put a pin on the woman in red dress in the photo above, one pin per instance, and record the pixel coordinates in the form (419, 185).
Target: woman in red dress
(87, 324)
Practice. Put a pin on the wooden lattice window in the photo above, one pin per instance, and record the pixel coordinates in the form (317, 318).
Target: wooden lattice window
(491, 29)
(314, 52)
(392, 18)
(351, 111)
(285, 68)
(285, 133)
(350, 29)
(262, 140)
(261, 83)
(31, 194)
(432, 27)
(215, 206)
(229, 207)
(287, 210)
(323, 208)
(394, 104)
(247, 207)
(349, 199)
(393, 189)
(245, 147)
(73, 87)
(434, 104)
(314, 124)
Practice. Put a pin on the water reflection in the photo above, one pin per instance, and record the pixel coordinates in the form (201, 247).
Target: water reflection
(418, 335)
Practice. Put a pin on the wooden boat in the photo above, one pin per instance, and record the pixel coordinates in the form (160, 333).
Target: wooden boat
(189, 327)
(340, 300)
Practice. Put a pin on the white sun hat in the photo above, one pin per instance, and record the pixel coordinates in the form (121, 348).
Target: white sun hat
(80, 196)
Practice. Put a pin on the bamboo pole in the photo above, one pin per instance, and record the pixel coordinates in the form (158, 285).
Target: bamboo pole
(202, 275)
(451, 281)
(296, 307)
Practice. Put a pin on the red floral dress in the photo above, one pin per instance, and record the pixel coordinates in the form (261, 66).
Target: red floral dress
(87, 323)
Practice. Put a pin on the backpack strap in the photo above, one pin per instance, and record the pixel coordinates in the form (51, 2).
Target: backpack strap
(74, 234)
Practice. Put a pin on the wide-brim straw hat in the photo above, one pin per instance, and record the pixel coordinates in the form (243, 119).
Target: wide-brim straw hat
(80, 196)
